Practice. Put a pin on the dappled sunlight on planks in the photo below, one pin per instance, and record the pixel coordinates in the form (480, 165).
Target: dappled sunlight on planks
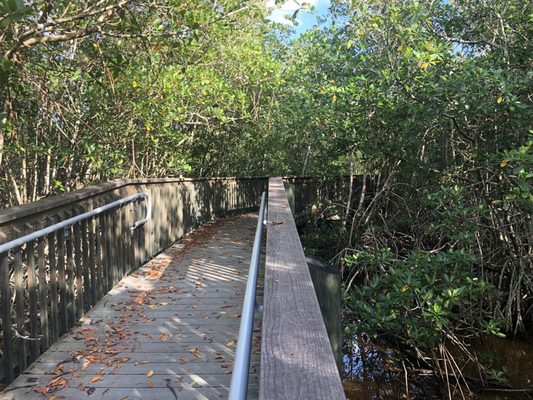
(166, 331)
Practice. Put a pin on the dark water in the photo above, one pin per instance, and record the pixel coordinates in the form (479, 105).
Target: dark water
(374, 372)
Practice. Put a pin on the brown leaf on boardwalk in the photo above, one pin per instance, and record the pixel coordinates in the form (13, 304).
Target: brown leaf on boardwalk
(153, 274)
(53, 386)
(195, 352)
(58, 382)
(85, 365)
(138, 299)
(150, 384)
(96, 378)
(149, 373)
(126, 398)
(182, 359)
(164, 337)
(231, 343)
(142, 362)
(87, 331)
(41, 390)
(277, 222)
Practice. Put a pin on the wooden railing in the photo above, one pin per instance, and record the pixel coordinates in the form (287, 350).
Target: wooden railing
(304, 191)
(297, 361)
(47, 284)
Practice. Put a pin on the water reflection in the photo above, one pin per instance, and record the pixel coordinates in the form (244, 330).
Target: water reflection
(375, 372)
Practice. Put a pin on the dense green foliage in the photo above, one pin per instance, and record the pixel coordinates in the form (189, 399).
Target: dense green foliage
(431, 99)
(113, 89)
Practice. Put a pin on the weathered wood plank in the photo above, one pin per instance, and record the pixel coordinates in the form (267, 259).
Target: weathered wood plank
(5, 314)
(43, 295)
(164, 393)
(99, 257)
(140, 381)
(296, 357)
(85, 267)
(140, 358)
(91, 261)
(62, 283)
(20, 312)
(32, 296)
(106, 241)
(71, 277)
(78, 272)
(52, 251)
(135, 368)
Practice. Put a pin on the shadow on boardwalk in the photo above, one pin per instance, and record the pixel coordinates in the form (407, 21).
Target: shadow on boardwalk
(167, 331)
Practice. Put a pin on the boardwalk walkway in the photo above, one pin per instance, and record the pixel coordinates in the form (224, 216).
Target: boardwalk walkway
(167, 331)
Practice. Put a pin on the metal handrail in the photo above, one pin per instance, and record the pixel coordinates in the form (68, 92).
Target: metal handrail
(241, 366)
(13, 244)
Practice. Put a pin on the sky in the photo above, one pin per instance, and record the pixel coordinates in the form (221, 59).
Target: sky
(306, 20)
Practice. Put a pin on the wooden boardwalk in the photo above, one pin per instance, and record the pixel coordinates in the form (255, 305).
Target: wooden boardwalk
(167, 331)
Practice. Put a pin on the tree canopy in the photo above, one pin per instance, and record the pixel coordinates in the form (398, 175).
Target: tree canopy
(431, 99)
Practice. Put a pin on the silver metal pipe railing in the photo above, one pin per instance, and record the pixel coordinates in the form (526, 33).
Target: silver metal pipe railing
(241, 366)
(13, 244)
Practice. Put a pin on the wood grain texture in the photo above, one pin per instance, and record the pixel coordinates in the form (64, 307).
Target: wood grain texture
(32, 295)
(19, 308)
(5, 314)
(43, 295)
(296, 357)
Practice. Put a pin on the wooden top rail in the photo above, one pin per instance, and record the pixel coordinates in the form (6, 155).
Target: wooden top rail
(296, 357)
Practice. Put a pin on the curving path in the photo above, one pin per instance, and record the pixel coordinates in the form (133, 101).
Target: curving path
(167, 331)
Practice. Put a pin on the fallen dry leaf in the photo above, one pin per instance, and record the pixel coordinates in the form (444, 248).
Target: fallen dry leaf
(96, 378)
(195, 352)
(149, 373)
(150, 384)
(164, 337)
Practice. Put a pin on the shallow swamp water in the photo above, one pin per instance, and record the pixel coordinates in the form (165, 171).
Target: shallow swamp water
(372, 372)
